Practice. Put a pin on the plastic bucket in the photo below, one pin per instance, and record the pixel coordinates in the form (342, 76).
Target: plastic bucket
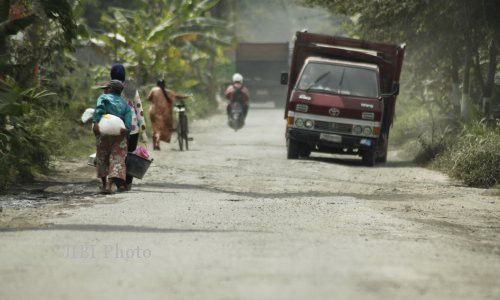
(91, 160)
(137, 166)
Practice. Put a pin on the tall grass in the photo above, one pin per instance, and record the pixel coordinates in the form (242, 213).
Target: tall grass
(474, 157)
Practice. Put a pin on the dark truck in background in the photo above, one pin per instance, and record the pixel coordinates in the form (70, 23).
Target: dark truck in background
(260, 64)
(341, 96)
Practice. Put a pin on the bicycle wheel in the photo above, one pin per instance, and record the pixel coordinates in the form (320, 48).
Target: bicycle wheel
(179, 134)
(186, 132)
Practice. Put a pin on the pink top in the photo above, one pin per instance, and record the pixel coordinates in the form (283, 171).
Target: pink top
(230, 89)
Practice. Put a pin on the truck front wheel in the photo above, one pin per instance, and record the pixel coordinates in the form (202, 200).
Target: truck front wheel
(292, 149)
(382, 157)
(304, 150)
(369, 158)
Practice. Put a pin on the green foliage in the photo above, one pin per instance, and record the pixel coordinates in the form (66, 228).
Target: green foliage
(23, 150)
(474, 157)
(177, 40)
(48, 20)
(48, 29)
(61, 12)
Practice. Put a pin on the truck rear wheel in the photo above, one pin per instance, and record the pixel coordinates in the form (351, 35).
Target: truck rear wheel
(292, 149)
(369, 158)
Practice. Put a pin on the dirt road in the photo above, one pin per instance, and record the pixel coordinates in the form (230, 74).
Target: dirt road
(233, 219)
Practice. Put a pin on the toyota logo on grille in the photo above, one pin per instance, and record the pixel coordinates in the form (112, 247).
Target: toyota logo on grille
(334, 112)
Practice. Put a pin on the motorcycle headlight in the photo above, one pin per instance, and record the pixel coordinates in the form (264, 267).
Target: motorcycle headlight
(367, 130)
(357, 129)
(309, 123)
(299, 122)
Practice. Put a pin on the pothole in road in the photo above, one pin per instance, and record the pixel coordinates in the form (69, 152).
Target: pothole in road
(233, 200)
(42, 193)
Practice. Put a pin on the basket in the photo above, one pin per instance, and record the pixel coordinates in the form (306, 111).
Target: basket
(137, 166)
(91, 160)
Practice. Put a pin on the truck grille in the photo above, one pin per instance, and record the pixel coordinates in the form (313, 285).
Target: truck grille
(333, 127)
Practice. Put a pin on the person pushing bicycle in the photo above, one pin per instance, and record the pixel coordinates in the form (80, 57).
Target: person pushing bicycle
(161, 112)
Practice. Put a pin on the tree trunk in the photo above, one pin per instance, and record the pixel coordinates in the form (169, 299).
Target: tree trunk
(490, 79)
(465, 103)
(478, 72)
(212, 79)
(455, 83)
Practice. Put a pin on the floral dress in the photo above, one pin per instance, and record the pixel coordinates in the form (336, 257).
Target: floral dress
(134, 102)
(110, 156)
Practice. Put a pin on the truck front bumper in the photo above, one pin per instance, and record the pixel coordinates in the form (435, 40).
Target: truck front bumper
(317, 143)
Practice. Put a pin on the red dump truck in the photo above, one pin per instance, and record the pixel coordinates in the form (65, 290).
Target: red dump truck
(341, 96)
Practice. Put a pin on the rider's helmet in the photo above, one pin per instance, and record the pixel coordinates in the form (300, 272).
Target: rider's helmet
(237, 78)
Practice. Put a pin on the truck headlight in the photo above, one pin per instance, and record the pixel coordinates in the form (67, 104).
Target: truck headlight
(357, 129)
(367, 130)
(309, 123)
(299, 122)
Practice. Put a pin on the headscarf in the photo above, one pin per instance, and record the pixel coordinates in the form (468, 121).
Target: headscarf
(118, 72)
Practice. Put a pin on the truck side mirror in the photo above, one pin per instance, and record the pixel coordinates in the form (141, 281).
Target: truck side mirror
(393, 93)
(284, 78)
(395, 88)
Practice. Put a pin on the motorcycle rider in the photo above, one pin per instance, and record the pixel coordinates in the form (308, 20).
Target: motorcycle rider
(237, 92)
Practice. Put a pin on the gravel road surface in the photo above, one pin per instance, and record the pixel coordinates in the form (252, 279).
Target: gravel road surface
(234, 219)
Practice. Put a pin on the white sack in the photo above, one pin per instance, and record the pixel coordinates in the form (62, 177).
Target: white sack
(87, 115)
(111, 125)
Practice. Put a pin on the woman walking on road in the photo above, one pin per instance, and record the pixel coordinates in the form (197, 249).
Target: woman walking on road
(161, 113)
(111, 150)
(138, 126)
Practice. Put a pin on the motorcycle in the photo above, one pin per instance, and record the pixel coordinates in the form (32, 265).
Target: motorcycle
(236, 116)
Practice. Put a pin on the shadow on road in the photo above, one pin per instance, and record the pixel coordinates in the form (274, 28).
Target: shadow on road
(118, 228)
(357, 162)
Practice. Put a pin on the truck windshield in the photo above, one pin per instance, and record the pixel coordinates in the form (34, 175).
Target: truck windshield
(338, 79)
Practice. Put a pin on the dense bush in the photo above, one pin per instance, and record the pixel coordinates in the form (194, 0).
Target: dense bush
(474, 157)
(430, 149)
(24, 151)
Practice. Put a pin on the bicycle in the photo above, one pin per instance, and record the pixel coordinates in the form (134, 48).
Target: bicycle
(182, 126)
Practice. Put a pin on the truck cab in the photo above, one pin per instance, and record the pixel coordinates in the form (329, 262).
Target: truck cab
(341, 96)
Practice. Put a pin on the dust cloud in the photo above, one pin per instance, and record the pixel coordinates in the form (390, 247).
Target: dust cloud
(276, 21)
